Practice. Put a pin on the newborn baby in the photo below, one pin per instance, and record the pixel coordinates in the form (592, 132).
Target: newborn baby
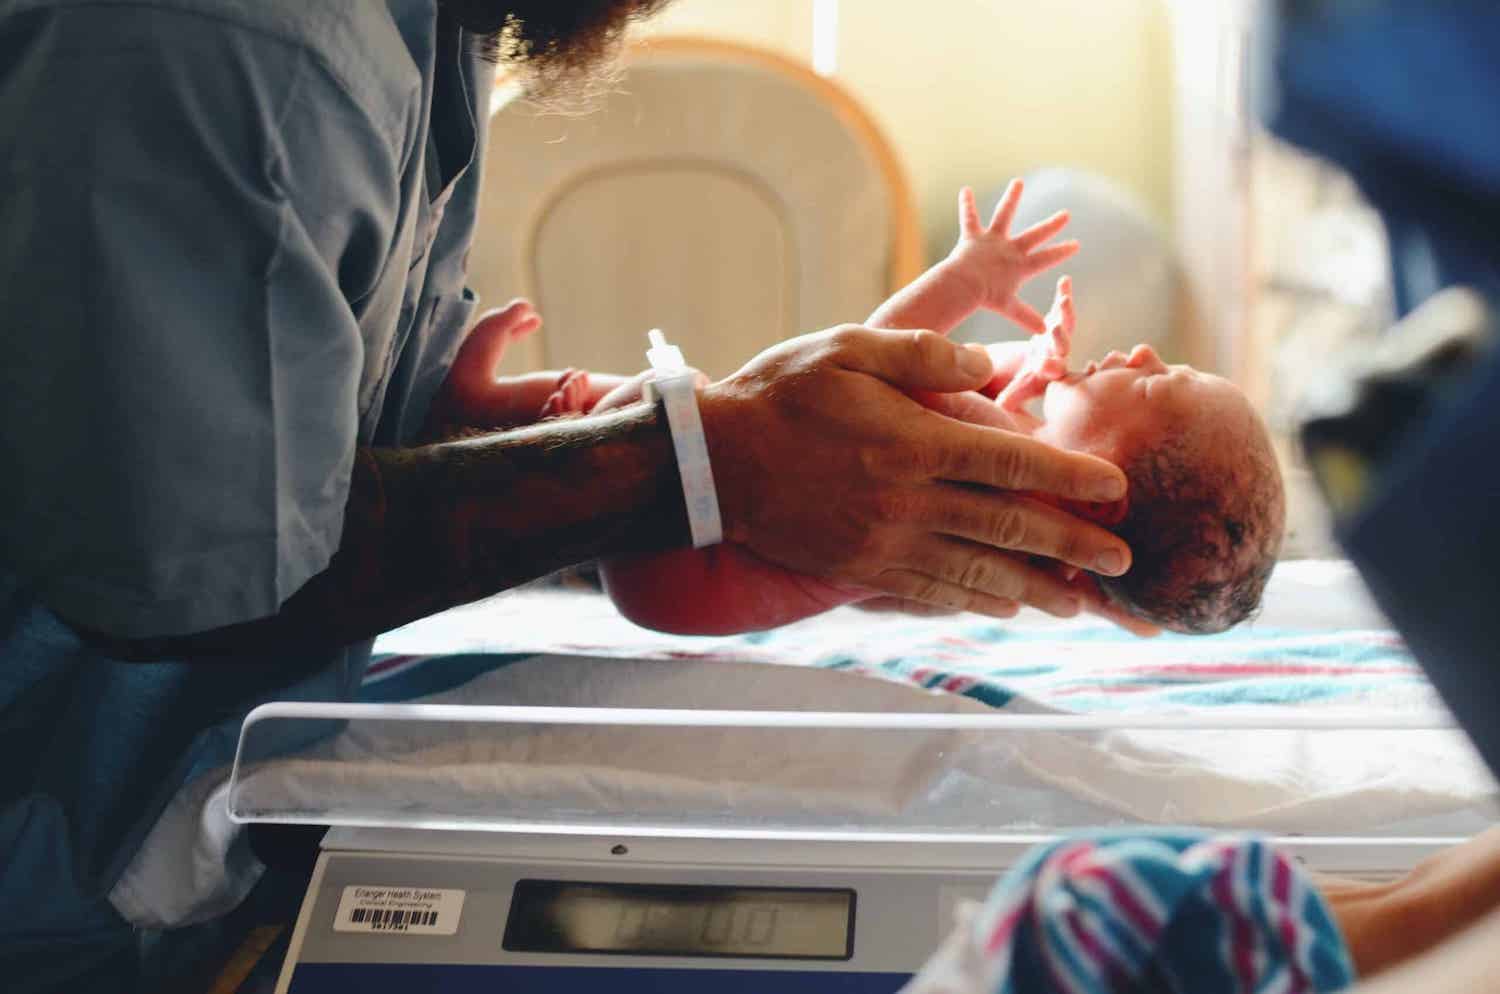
(1203, 518)
(1205, 508)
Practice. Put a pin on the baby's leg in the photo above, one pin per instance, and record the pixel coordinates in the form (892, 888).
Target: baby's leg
(471, 396)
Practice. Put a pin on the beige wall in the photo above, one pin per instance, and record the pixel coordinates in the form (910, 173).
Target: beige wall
(975, 91)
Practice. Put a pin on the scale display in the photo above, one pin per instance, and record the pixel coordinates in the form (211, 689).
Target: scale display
(623, 919)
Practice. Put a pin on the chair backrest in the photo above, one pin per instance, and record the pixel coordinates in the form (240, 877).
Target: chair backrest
(725, 194)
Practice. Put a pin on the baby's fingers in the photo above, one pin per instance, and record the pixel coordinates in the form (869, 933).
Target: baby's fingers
(1005, 210)
(1062, 318)
(1053, 368)
(1037, 234)
(1046, 258)
(968, 213)
(1026, 316)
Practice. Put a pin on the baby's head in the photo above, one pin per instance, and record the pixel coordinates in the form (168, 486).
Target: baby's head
(1205, 511)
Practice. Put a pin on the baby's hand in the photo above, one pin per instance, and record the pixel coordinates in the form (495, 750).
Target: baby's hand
(1000, 264)
(1047, 353)
(1051, 349)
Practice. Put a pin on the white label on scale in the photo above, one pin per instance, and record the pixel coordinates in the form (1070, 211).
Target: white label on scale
(399, 910)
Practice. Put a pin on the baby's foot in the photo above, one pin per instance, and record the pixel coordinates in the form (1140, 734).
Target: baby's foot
(472, 396)
(570, 396)
(515, 321)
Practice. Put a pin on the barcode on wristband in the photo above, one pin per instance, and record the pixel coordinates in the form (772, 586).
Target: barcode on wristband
(399, 910)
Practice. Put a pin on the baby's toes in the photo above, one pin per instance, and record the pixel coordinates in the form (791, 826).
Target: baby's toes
(570, 395)
(525, 326)
(574, 386)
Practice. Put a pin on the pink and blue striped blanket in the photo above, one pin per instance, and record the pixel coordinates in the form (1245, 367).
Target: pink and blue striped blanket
(1317, 644)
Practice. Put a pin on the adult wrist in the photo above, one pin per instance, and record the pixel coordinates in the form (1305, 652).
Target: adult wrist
(674, 385)
(718, 409)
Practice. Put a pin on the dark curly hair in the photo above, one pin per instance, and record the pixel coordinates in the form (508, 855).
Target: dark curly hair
(559, 44)
(1204, 529)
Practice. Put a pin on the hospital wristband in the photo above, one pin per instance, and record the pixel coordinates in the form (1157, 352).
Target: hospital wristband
(676, 386)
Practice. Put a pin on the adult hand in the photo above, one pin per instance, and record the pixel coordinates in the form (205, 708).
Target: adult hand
(977, 409)
(826, 465)
(916, 609)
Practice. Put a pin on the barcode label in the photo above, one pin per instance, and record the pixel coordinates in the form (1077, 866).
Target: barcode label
(396, 921)
(399, 910)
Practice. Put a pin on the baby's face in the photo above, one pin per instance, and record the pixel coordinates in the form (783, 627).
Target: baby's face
(1122, 404)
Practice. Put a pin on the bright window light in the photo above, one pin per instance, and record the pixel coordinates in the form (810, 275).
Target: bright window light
(825, 37)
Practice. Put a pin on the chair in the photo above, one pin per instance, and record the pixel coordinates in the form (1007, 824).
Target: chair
(725, 194)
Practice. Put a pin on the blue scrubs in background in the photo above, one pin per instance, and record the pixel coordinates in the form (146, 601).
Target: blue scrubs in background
(1405, 95)
(232, 241)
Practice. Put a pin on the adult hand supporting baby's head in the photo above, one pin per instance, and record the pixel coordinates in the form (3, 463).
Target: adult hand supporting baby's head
(827, 466)
(974, 408)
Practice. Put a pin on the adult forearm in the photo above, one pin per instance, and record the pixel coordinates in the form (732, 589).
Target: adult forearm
(939, 300)
(1386, 924)
(433, 527)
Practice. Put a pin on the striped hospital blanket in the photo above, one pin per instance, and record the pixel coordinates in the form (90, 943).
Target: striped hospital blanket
(1108, 913)
(1316, 645)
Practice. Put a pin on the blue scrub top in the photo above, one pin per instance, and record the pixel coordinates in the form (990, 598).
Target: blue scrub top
(232, 243)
